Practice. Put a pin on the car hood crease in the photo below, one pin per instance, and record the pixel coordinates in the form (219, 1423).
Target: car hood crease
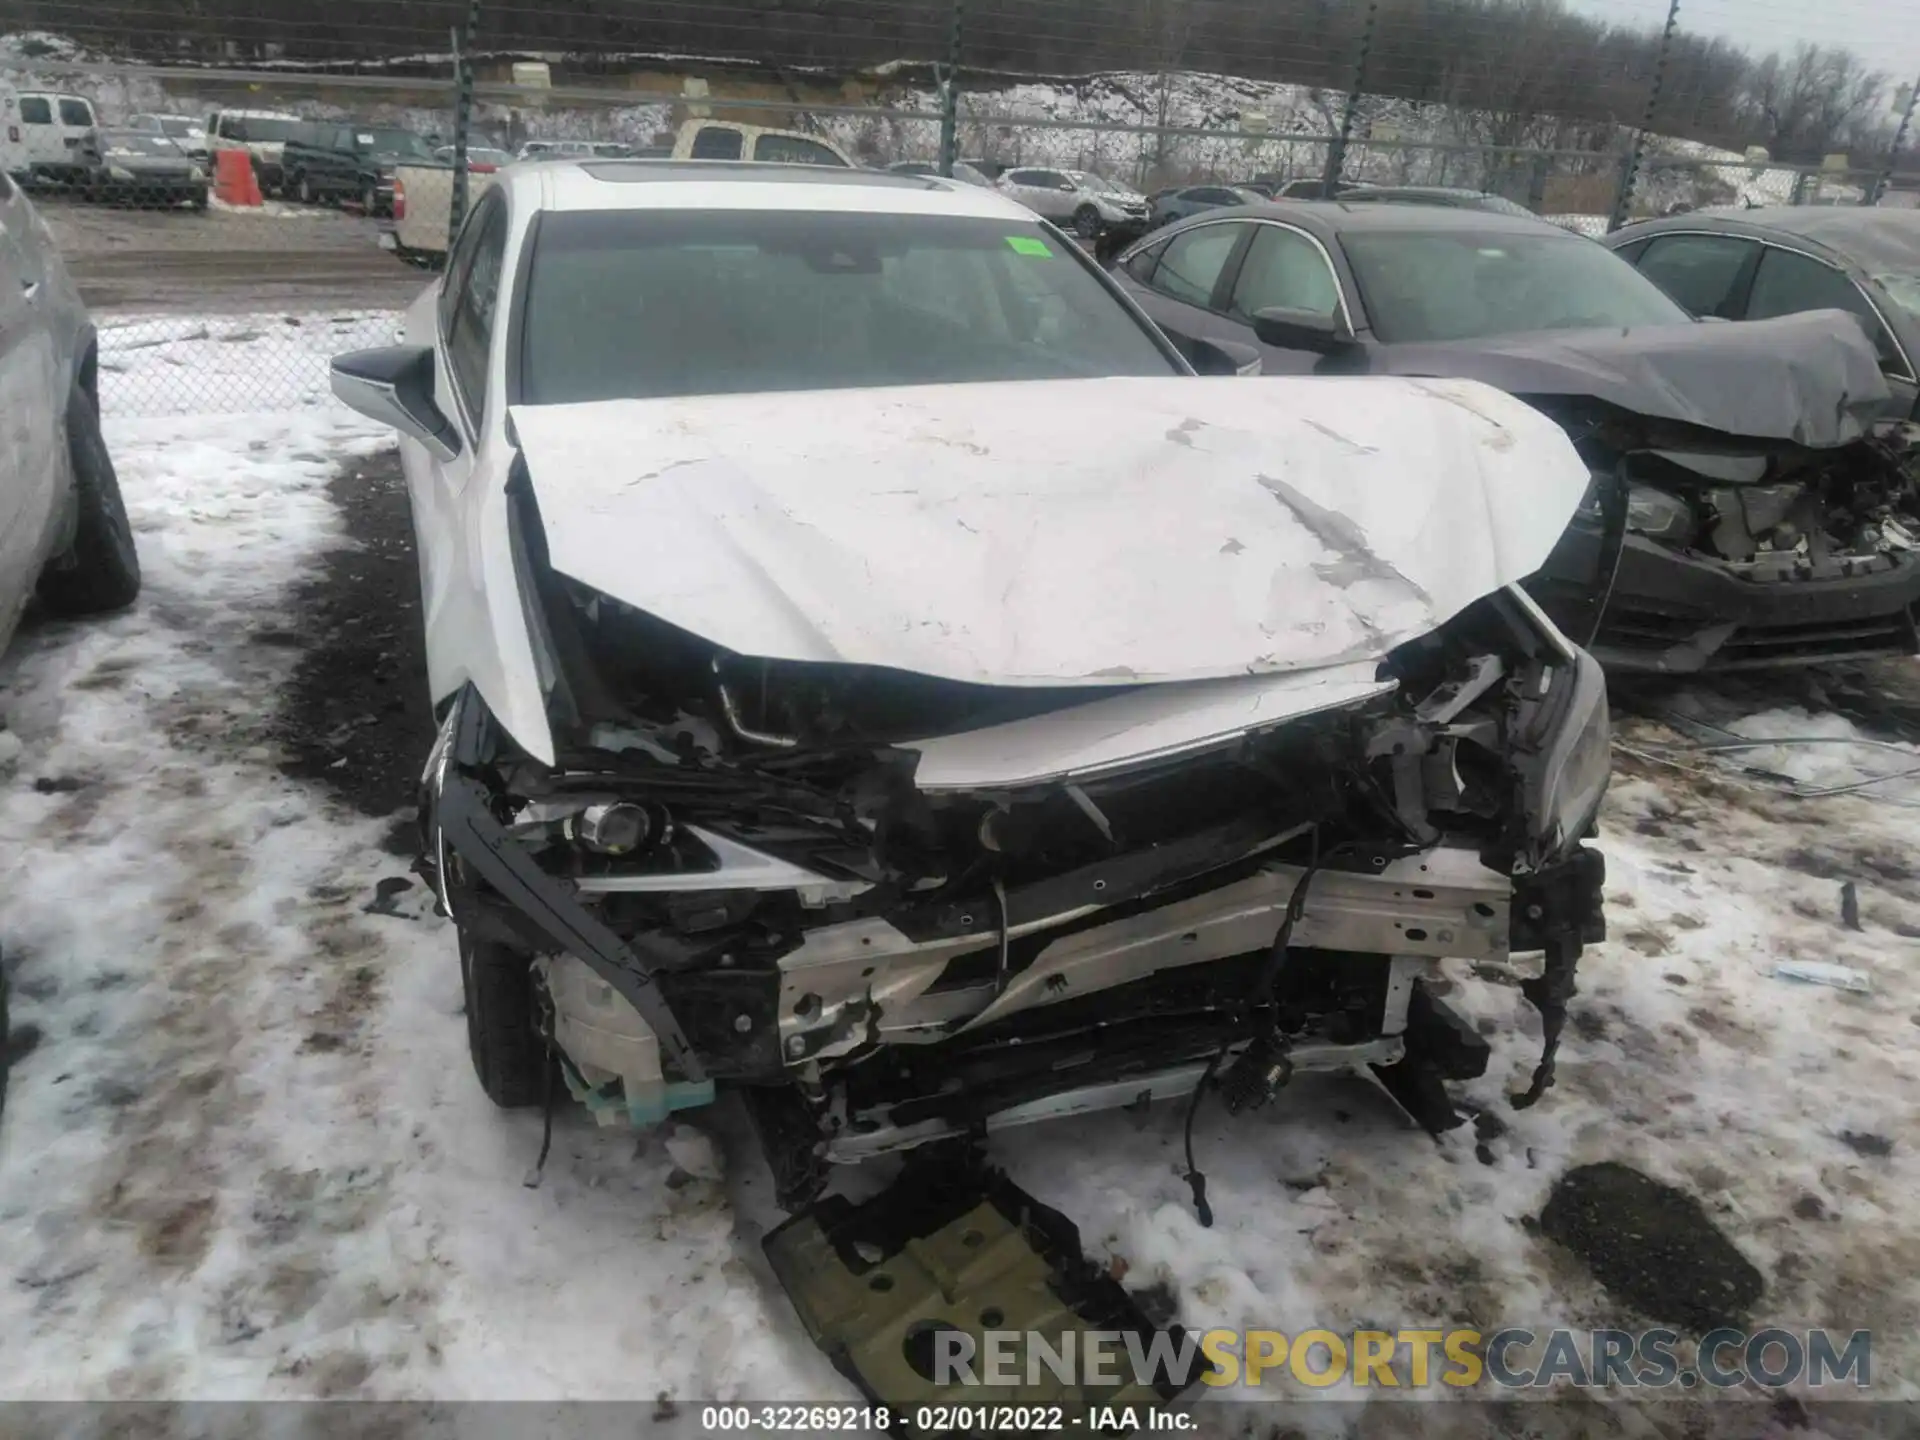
(1811, 379)
(1058, 532)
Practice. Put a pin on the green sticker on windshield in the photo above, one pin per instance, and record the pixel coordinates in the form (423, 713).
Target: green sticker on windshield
(1027, 245)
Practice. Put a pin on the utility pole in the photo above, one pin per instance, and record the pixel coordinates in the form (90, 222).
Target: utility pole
(1337, 152)
(1879, 187)
(462, 117)
(1630, 170)
(950, 95)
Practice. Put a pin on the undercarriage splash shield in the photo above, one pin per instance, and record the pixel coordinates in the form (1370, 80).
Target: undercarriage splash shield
(928, 1268)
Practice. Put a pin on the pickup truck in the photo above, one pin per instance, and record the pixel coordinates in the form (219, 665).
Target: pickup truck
(261, 133)
(423, 192)
(327, 161)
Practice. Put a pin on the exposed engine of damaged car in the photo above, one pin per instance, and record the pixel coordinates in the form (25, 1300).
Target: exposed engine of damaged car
(898, 907)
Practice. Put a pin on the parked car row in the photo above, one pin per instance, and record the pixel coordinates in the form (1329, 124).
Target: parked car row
(1764, 478)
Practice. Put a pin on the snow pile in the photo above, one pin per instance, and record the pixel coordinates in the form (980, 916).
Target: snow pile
(246, 1157)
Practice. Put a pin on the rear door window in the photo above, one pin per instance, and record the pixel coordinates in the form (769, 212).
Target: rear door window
(1191, 265)
(1788, 283)
(76, 112)
(36, 110)
(1140, 266)
(1705, 273)
(717, 143)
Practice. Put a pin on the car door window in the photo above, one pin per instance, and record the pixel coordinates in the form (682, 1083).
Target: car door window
(77, 113)
(1284, 270)
(1031, 178)
(472, 301)
(1140, 266)
(1702, 272)
(36, 110)
(1191, 265)
(793, 150)
(715, 143)
(1788, 283)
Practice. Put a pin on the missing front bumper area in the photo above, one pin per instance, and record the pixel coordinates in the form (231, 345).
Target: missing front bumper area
(903, 1028)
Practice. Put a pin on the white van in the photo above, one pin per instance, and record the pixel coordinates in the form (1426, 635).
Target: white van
(43, 134)
(263, 134)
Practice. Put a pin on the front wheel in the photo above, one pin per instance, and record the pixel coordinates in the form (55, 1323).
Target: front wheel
(509, 1056)
(101, 569)
(1086, 223)
(370, 200)
(304, 188)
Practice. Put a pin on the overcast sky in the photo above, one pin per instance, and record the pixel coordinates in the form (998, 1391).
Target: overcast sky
(1885, 33)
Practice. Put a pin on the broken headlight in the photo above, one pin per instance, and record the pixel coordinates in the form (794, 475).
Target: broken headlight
(1660, 516)
(1650, 512)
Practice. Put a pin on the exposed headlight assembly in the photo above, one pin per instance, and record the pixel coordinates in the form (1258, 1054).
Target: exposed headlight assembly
(1565, 776)
(1650, 512)
(1660, 516)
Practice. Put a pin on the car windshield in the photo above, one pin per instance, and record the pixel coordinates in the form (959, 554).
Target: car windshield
(182, 129)
(1456, 285)
(392, 142)
(638, 304)
(136, 142)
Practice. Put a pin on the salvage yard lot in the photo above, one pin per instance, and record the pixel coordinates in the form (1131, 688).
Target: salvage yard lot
(243, 1154)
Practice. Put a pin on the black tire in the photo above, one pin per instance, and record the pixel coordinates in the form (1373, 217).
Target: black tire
(509, 1057)
(303, 188)
(199, 201)
(101, 570)
(370, 200)
(1086, 223)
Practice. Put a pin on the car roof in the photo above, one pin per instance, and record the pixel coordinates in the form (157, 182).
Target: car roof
(1366, 215)
(745, 185)
(1883, 238)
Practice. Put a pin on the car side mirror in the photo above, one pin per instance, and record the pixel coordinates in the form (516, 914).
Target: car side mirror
(1224, 357)
(1304, 330)
(394, 385)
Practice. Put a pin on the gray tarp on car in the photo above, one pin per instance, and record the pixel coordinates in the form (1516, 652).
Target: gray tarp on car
(1812, 379)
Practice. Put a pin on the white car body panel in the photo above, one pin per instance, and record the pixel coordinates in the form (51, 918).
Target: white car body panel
(1089, 532)
(1082, 532)
(1139, 727)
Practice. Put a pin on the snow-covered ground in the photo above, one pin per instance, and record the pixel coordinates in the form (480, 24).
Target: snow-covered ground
(247, 1158)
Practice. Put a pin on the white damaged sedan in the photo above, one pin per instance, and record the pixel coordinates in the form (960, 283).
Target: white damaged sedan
(876, 672)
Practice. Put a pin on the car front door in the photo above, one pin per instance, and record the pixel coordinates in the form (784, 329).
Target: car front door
(30, 407)
(1284, 269)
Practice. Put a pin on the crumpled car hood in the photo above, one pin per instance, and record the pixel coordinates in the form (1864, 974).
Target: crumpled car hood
(1056, 532)
(1812, 379)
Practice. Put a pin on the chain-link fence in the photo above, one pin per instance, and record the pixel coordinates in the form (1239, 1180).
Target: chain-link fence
(242, 190)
